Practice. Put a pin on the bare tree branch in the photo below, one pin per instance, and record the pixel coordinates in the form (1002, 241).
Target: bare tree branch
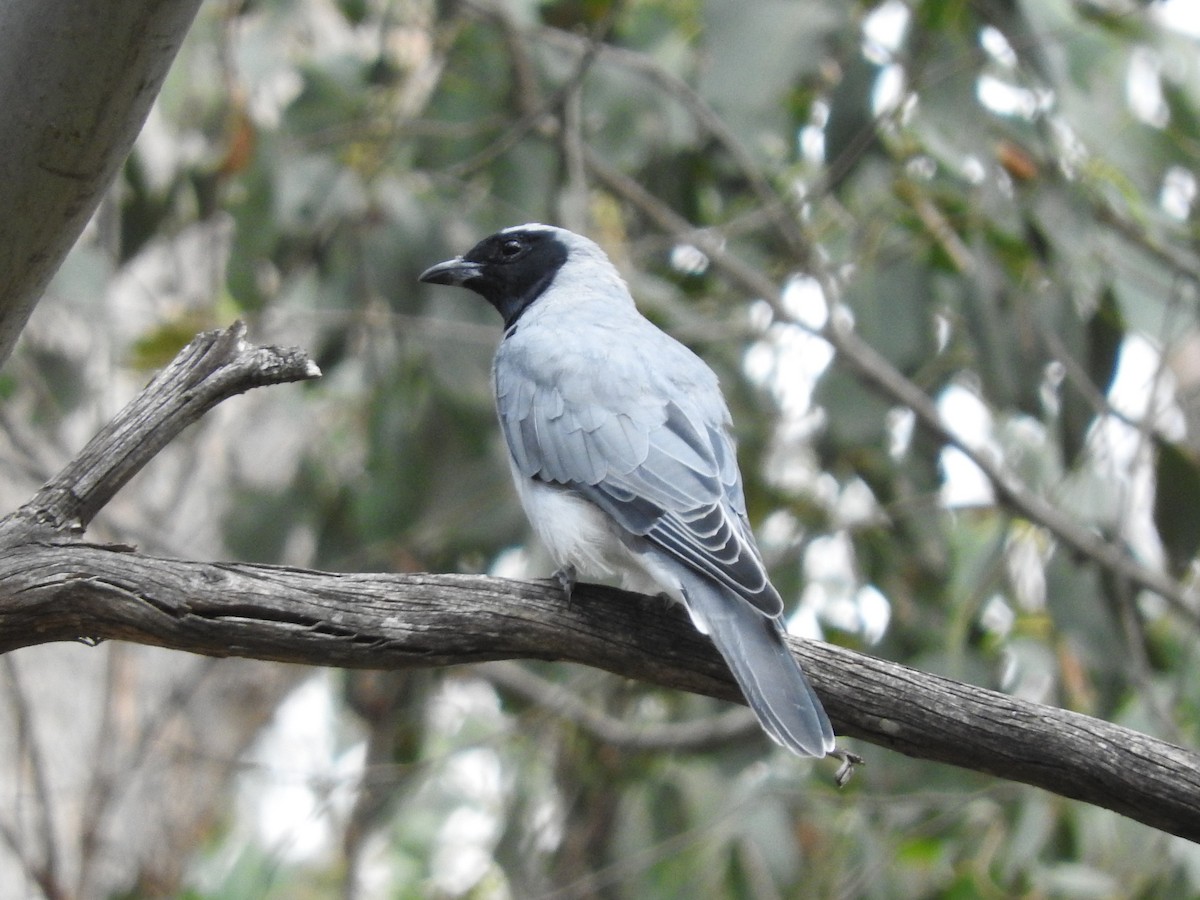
(56, 588)
(70, 591)
(213, 367)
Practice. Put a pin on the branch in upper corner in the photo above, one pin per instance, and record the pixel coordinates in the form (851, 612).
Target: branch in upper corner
(216, 365)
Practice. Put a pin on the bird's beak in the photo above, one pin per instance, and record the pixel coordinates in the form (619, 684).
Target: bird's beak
(455, 271)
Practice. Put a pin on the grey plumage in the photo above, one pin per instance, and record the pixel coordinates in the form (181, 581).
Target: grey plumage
(620, 451)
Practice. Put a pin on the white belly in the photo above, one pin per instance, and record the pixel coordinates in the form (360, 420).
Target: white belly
(577, 533)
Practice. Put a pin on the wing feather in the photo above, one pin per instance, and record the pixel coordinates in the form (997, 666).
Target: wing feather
(666, 471)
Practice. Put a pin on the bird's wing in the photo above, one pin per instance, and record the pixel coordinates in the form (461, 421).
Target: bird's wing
(664, 469)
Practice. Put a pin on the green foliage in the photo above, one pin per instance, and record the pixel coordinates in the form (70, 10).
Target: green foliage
(1178, 478)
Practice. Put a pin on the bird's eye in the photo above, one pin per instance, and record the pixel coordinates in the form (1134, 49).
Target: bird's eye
(511, 248)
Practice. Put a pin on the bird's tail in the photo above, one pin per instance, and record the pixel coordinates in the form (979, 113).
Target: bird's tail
(770, 677)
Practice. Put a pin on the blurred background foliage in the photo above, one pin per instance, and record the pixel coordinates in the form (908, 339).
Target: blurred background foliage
(1000, 196)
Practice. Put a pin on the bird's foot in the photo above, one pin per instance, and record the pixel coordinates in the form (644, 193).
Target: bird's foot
(846, 769)
(566, 578)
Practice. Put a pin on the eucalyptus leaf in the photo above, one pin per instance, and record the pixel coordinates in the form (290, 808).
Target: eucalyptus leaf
(1176, 499)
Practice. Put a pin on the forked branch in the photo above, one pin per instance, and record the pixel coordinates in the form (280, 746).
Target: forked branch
(56, 587)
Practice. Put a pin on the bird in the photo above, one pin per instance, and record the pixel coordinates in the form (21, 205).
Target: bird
(619, 443)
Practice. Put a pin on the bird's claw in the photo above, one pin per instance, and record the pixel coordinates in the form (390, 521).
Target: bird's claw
(566, 577)
(846, 769)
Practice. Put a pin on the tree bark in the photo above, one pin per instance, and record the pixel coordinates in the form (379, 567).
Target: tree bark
(77, 79)
(56, 587)
(75, 591)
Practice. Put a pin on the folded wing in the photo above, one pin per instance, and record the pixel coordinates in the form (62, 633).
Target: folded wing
(665, 471)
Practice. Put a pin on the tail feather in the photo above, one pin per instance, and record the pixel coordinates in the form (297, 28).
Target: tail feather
(770, 677)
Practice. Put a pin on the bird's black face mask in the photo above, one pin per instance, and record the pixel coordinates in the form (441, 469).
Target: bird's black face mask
(509, 269)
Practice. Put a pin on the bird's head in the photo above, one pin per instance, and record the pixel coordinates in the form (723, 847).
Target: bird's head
(513, 268)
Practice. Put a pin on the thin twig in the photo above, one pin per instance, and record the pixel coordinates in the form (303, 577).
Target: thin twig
(772, 205)
(534, 115)
(103, 794)
(46, 871)
(698, 736)
(1180, 261)
(879, 374)
(37, 874)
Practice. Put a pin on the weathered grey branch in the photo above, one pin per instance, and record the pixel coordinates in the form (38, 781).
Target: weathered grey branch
(52, 592)
(214, 366)
(54, 587)
(77, 79)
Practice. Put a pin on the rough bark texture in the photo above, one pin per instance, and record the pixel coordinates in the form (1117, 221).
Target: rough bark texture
(75, 591)
(73, 105)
